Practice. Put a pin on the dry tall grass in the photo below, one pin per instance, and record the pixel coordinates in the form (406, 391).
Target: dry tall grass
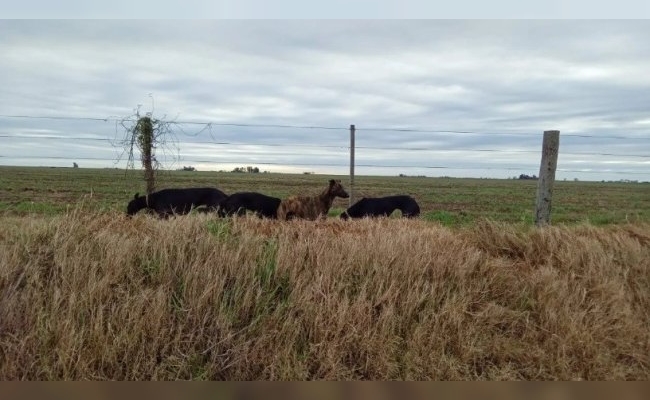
(99, 296)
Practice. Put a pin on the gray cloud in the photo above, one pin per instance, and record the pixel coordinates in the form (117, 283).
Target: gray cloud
(326, 9)
(503, 81)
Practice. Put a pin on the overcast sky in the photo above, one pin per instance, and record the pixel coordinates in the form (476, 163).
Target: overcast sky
(428, 97)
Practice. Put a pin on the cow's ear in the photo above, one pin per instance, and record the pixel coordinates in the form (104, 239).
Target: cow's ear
(136, 196)
(332, 182)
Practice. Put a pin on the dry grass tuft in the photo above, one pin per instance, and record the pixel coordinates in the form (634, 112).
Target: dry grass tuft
(99, 296)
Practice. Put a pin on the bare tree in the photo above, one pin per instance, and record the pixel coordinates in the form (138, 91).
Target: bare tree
(146, 134)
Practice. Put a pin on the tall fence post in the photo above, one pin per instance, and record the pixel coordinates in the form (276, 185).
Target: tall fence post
(550, 147)
(351, 201)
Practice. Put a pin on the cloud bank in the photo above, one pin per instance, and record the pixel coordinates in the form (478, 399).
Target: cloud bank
(434, 97)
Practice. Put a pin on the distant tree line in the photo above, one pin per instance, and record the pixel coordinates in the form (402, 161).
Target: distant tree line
(240, 170)
(524, 176)
(249, 170)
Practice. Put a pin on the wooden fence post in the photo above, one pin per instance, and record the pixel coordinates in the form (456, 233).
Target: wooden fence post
(550, 147)
(351, 201)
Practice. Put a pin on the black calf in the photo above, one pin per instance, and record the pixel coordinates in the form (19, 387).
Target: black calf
(383, 207)
(177, 201)
(238, 203)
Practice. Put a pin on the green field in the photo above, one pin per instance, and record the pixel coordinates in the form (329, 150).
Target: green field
(451, 201)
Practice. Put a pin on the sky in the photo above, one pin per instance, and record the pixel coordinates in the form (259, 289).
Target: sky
(466, 98)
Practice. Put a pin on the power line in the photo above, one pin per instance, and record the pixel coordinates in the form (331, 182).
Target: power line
(431, 149)
(206, 123)
(261, 125)
(299, 145)
(60, 117)
(57, 158)
(442, 167)
(602, 137)
(53, 137)
(358, 129)
(528, 134)
(497, 151)
(600, 171)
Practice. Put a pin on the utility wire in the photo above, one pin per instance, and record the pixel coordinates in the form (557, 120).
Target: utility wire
(358, 129)
(431, 149)
(342, 165)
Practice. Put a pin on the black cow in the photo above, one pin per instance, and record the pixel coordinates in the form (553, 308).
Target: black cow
(177, 201)
(383, 207)
(261, 204)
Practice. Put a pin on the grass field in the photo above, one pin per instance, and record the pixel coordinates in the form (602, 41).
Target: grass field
(95, 295)
(450, 201)
(470, 291)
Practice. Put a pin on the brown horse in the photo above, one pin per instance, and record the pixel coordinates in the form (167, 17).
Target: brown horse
(311, 207)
